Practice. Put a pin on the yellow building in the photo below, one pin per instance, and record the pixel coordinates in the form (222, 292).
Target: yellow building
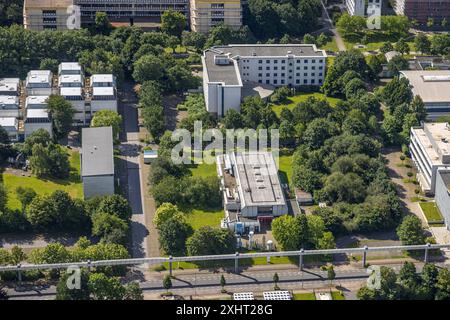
(205, 14)
(50, 14)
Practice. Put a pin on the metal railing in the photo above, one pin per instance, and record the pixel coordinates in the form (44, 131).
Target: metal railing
(236, 257)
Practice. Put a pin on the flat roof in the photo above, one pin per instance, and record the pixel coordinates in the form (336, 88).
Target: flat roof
(69, 66)
(39, 100)
(103, 91)
(445, 175)
(430, 85)
(435, 139)
(9, 84)
(8, 122)
(97, 151)
(70, 78)
(37, 113)
(9, 100)
(70, 91)
(257, 178)
(102, 78)
(39, 76)
(41, 4)
(229, 73)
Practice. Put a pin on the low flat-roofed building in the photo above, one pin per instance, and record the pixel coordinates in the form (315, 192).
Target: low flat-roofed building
(9, 106)
(433, 86)
(11, 125)
(227, 69)
(36, 102)
(39, 83)
(74, 95)
(68, 68)
(103, 80)
(70, 80)
(97, 161)
(103, 98)
(10, 86)
(430, 150)
(442, 194)
(251, 190)
(37, 119)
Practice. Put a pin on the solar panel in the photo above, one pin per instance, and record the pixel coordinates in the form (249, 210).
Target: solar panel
(243, 296)
(277, 295)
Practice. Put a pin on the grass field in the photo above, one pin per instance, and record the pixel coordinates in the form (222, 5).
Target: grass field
(336, 295)
(201, 218)
(304, 296)
(431, 211)
(203, 170)
(294, 100)
(331, 46)
(285, 168)
(72, 185)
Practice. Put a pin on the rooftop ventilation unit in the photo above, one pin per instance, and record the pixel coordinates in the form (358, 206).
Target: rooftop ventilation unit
(222, 60)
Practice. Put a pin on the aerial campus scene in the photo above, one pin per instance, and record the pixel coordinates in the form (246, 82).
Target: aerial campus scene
(194, 150)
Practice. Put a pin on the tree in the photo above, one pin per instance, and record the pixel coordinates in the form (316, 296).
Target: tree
(430, 22)
(402, 46)
(196, 40)
(386, 47)
(331, 274)
(51, 161)
(410, 231)
(173, 234)
(101, 23)
(115, 204)
(41, 213)
(429, 278)
(396, 92)
(173, 23)
(49, 64)
(223, 282)
(133, 291)
(443, 285)
(444, 23)
(167, 283)
(165, 212)
(422, 43)
(61, 112)
(397, 64)
(25, 196)
(66, 290)
(291, 233)
(106, 118)
(208, 240)
(350, 26)
(40, 136)
(322, 39)
(232, 119)
(309, 39)
(409, 278)
(109, 227)
(275, 278)
(103, 287)
(148, 67)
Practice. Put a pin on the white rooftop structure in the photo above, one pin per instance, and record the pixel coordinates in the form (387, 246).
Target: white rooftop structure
(9, 85)
(71, 80)
(70, 91)
(103, 91)
(277, 295)
(243, 296)
(103, 80)
(7, 102)
(8, 122)
(37, 113)
(69, 68)
(36, 102)
(39, 77)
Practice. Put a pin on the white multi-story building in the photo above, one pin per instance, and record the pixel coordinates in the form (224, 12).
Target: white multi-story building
(37, 119)
(430, 151)
(363, 7)
(103, 98)
(39, 83)
(228, 69)
(251, 189)
(11, 125)
(9, 106)
(205, 14)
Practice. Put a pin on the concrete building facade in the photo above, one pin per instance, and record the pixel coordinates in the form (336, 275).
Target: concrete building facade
(97, 161)
(228, 69)
(422, 10)
(37, 119)
(11, 125)
(39, 83)
(205, 14)
(430, 151)
(9, 106)
(46, 14)
(442, 196)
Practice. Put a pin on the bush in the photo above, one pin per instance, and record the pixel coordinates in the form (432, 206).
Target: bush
(409, 174)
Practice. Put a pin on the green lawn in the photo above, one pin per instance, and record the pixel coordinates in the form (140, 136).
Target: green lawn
(336, 295)
(331, 46)
(203, 170)
(304, 296)
(72, 185)
(301, 97)
(431, 211)
(285, 168)
(201, 218)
